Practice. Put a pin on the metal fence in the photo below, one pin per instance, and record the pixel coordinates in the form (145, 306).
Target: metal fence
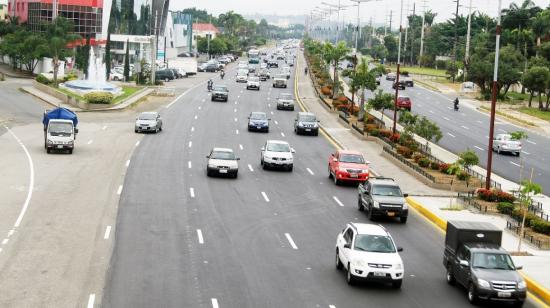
(415, 167)
(515, 227)
(535, 208)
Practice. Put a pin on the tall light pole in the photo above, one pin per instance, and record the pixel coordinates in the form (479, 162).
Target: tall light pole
(422, 30)
(358, 21)
(456, 37)
(467, 51)
(493, 101)
(398, 64)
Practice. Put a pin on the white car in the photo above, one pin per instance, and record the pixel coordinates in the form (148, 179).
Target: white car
(368, 253)
(253, 82)
(505, 143)
(277, 154)
(116, 76)
(222, 161)
(148, 122)
(241, 77)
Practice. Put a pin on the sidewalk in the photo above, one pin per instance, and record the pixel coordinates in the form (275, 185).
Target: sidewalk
(536, 266)
(9, 72)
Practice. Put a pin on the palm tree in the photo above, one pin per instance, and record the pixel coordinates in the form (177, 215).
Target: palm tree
(333, 55)
(363, 79)
(541, 25)
(59, 34)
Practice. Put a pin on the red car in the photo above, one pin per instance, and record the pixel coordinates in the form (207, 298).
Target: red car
(348, 166)
(404, 102)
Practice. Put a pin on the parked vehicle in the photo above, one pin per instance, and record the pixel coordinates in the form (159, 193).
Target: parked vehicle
(306, 123)
(404, 102)
(148, 122)
(474, 259)
(391, 76)
(220, 92)
(347, 166)
(382, 197)
(187, 64)
(221, 161)
(505, 143)
(212, 67)
(60, 129)
(277, 154)
(116, 76)
(164, 74)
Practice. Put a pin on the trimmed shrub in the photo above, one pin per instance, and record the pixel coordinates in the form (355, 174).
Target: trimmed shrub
(43, 79)
(463, 175)
(404, 73)
(326, 90)
(503, 196)
(434, 165)
(540, 225)
(505, 207)
(417, 157)
(443, 167)
(423, 162)
(369, 118)
(395, 137)
(486, 195)
(371, 127)
(70, 76)
(375, 132)
(385, 133)
(99, 97)
(402, 150)
(336, 103)
(453, 169)
(517, 213)
(343, 99)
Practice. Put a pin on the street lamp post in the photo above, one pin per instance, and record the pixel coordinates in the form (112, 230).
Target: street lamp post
(398, 64)
(493, 101)
(358, 21)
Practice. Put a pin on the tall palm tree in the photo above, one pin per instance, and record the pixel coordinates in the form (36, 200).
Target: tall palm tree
(541, 25)
(364, 79)
(333, 55)
(59, 34)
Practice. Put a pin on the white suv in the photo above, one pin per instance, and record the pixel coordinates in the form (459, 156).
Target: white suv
(276, 153)
(368, 253)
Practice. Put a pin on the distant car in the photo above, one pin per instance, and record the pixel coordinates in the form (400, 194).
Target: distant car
(404, 102)
(211, 68)
(408, 81)
(258, 121)
(220, 92)
(242, 75)
(347, 166)
(280, 57)
(277, 154)
(252, 69)
(391, 76)
(177, 74)
(264, 75)
(401, 85)
(164, 74)
(202, 67)
(505, 143)
(285, 101)
(279, 81)
(148, 122)
(253, 82)
(286, 71)
(222, 161)
(306, 123)
(115, 76)
(368, 253)
(272, 64)
(263, 65)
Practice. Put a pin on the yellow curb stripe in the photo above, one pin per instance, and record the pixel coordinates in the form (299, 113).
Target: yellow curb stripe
(538, 293)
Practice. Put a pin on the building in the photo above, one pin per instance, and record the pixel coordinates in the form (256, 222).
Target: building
(3, 10)
(181, 32)
(203, 30)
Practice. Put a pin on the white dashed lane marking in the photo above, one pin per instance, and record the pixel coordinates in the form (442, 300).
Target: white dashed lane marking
(265, 196)
(107, 233)
(199, 235)
(215, 303)
(531, 142)
(90, 142)
(192, 192)
(291, 241)
(515, 164)
(451, 135)
(91, 301)
(250, 168)
(119, 191)
(310, 172)
(189, 164)
(481, 149)
(337, 201)
(190, 143)
(241, 146)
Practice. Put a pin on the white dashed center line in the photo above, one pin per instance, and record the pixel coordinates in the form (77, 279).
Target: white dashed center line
(235, 110)
(531, 142)
(337, 201)
(200, 107)
(5, 241)
(196, 117)
(215, 303)
(464, 127)
(104, 127)
(272, 112)
(479, 121)
(192, 128)
(127, 163)
(431, 111)
(291, 241)
(331, 306)
(526, 153)
(282, 134)
(137, 143)
(235, 102)
(265, 196)
(451, 135)
(90, 142)
(446, 119)
(236, 120)
(310, 172)
(189, 164)
(199, 235)
(515, 164)
(91, 301)
(192, 192)
(190, 143)
(276, 123)
(237, 131)
(241, 146)
(481, 149)
(107, 233)
(250, 167)
(119, 191)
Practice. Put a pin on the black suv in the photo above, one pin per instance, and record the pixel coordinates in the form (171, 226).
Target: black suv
(165, 74)
(306, 123)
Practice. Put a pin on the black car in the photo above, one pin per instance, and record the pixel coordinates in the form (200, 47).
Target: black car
(220, 93)
(165, 74)
(258, 121)
(272, 64)
(401, 85)
(306, 123)
(211, 67)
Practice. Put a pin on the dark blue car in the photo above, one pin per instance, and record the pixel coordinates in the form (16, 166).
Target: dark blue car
(258, 121)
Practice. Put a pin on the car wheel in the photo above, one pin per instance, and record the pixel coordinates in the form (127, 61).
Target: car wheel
(329, 173)
(70, 151)
(396, 284)
(517, 154)
(236, 175)
(208, 173)
(290, 168)
(472, 294)
(336, 181)
(360, 206)
(292, 108)
(450, 277)
(48, 150)
(316, 133)
(136, 131)
(339, 264)
(349, 276)
(403, 220)
(369, 213)
(518, 304)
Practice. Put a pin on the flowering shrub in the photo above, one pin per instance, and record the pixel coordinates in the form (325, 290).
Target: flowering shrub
(369, 118)
(443, 167)
(434, 165)
(462, 175)
(326, 90)
(503, 196)
(395, 137)
(495, 195)
(385, 133)
(423, 162)
(343, 99)
(417, 157)
(405, 151)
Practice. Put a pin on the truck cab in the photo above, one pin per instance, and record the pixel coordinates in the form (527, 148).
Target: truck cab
(59, 130)
(475, 260)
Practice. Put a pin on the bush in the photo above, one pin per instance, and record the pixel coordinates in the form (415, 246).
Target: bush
(417, 157)
(375, 132)
(517, 213)
(463, 175)
(503, 196)
(395, 137)
(371, 127)
(385, 133)
(486, 195)
(453, 169)
(368, 118)
(443, 167)
(434, 165)
(505, 207)
(336, 103)
(423, 162)
(404, 73)
(43, 79)
(326, 90)
(70, 76)
(343, 99)
(405, 151)
(99, 97)
(540, 225)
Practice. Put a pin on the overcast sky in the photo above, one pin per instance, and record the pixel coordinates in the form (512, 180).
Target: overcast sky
(378, 10)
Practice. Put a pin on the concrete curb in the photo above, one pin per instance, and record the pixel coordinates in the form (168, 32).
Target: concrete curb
(537, 290)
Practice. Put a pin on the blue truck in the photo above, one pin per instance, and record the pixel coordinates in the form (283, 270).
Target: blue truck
(60, 129)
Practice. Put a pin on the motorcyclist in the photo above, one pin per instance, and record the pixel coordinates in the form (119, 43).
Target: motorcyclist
(456, 103)
(305, 70)
(209, 85)
(222, 73)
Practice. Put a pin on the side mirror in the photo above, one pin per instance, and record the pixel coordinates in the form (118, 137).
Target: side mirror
(464, 263)
(76, 130)
(399, 249)
(292, 150)
(332, 154)
(263, 149)
(405, 195)
(347, 245)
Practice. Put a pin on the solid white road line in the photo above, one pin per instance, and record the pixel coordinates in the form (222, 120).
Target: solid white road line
(265, 196)
(215, 303)
(189, 164)
(289, 238)
(119, 190)
(310, 172)
(177, 98)
(250, 167)
(91, 301)
(282, 134)
(192, 192)
(451, 135)
(127, 163)
(31, 179)
(137, 143)
(10, 233)
(107, 233)
(515, 164)
(237, 131)
(464, 127)
(240, 146)
(199, 235)
(526, 153)
(90, 142)
(190, 143)
(531, 142)
(447, 119)
(337, 201)
(481, 149)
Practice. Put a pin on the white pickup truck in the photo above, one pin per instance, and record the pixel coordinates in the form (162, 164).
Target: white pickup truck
(280, 81)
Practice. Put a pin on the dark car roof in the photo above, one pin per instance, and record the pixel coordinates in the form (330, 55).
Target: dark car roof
(485, 247)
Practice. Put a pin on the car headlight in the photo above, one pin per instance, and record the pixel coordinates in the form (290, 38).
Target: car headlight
(315, 124)
(300, 124)
(365, 171)
(483, 283)
(398, 266)
(212, 166)
(70, 142)
(359, 263)
(522, 285)
(376, 204)
(342, 169)
(405, 206)
(49, 141)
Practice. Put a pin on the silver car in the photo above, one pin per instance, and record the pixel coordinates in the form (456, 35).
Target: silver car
(285, 101)
(148, 122)
(222, 161)
(505, 143)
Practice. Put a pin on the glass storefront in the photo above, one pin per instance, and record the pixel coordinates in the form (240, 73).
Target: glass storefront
(86, 19)
(138, 17)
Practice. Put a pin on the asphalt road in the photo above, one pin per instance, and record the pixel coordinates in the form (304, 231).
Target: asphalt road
(18, 108)
(186, 240)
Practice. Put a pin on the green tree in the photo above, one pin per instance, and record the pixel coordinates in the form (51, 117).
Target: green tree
(428, 130)
(541, 25)
(364, 80)
(127, 62)
(526, 191)
(333, 55)
(391, 47)
(467, 159)
(59, 34)
(218, 46)
(537, 80)
(381, 102)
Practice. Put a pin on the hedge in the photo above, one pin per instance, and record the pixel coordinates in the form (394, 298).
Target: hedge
(43, 79)
(99, 97)
(540, 226)
(505, 207)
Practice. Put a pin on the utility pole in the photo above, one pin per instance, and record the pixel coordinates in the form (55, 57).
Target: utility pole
(412, 33)
(391, 16)
(154, 47)
(467, 51)
(493, 101)
(422, 30)
(456, 35)
(406, 31)
(385, 24)
(398, 64)
(369, 43)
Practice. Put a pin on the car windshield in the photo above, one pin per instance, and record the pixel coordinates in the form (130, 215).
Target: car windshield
(352, 158)
(506, 137)
(258, 116)
(147, 116)
(489, 260)
(307, 118)
(285, 96)
(374, 243)
(220, 88)
(278, 147)
(60, 129)
(243, 72)
(253, 79)
(280, 76)
(222, 155)
(386, 190)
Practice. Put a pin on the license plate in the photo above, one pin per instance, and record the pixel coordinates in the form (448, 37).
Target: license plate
(258, 127)
(504, 294)
(379, 274)
(59, 146)
(308, 129)
(353, 175)
(391, 214)
(223, 171)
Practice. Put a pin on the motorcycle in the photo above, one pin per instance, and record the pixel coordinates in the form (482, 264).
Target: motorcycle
(456, 105)
(209, 87)
(222, 74)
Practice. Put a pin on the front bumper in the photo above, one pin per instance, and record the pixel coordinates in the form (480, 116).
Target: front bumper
(510, 149)
(221, 171)
(241, 80)
(490, 294)
(285, 106)
(140, 129)
(366, 273)
(390, 211)
(219, 97)
(60, 146)
(278, 163)
(259, 128)
(307, 130)
(351, 177)
(253, 86)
